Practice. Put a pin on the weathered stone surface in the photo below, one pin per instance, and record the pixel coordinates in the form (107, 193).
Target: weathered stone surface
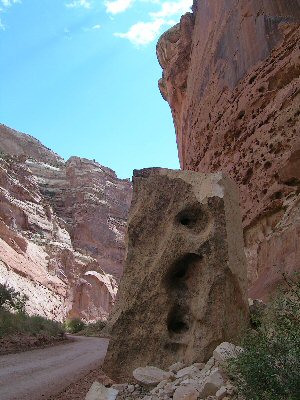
(225, 351)
(186, 393)
(212, 383)
(62, 229)
(100, 392)
(187, 371)
(150, 375)
(221, 393)
(235, 102)
(185, 246)
(176, 366)
(20, 144)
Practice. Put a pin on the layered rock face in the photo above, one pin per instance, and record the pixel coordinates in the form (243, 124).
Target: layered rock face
(185, 245)
(235, 102)
(93, 203)
(61, 230)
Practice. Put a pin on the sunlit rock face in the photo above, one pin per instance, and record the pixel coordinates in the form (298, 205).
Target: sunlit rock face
(61, 229)
(235, 102)
(185, 245)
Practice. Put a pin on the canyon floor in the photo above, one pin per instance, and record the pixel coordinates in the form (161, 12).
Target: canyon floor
(39, 374)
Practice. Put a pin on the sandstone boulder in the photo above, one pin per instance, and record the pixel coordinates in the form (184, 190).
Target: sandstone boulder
(186, 393)
(185, 245)
(176, 367)
(225, 351)
(100, 392)
(212, 383)
(150, 375)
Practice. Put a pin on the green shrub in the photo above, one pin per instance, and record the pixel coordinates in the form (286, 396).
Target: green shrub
(74, 325)
(269, 367)
(93, 329)
(20, 323)
(12, 300)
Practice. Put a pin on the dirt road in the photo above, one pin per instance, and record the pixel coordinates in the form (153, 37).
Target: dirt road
(37, 374)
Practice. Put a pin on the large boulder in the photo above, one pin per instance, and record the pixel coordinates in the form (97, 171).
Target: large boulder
(184, 289)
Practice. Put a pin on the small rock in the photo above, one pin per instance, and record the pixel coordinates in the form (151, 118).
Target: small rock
(119, 386)
(221, 393)
(162, 384)
(210, 364)
(199, 365)
(150, 375)
(100, 392)
(176, 367)
(130, 388)
(186, 393)
(226, 351)
(230, 389)
(187, 371)
(212, 383)
(169, 389)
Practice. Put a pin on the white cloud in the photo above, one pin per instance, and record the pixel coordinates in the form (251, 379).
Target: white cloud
(117, 6)
(4, 4)
(171, 8)
(92, 28)
(8, 3)
(143, 33)
(79, 3)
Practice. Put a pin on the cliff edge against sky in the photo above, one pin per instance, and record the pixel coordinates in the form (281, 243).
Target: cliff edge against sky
(231, 77)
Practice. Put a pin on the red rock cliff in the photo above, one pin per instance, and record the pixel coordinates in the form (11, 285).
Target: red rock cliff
(61, 229)
(231, 76)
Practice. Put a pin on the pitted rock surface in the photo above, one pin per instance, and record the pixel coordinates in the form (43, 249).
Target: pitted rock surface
(235, 103)
(185, 246)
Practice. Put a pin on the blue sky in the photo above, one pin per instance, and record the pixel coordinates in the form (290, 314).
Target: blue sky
(81, 76)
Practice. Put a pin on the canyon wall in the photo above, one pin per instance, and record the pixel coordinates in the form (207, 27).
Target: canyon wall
(231, 77)
(62, 227)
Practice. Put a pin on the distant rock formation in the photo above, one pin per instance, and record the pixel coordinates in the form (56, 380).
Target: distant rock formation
(62, 228)
(185, 245)
(231, 77)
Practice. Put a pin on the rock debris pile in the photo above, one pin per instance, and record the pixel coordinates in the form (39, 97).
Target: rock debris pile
(179, 382)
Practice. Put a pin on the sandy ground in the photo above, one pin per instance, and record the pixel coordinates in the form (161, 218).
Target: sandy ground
(38, 374)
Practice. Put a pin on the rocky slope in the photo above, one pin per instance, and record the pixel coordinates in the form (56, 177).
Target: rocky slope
(231, 76)
(62, 229)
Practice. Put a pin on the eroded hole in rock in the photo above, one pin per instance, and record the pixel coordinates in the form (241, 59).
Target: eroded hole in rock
(177, 320)
(181, 270)
(194, 218)
(187, 221)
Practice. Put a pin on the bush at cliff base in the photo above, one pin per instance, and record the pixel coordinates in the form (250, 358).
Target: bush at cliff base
(14, 320)
(269, 367)
(74, 325)
(20, 323)
(11, 300)
(93, 328)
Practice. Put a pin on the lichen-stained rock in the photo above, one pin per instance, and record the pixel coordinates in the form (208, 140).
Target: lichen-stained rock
(238, 112)
(184, 286)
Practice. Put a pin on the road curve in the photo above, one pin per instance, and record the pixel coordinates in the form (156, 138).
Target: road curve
(38, 374)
